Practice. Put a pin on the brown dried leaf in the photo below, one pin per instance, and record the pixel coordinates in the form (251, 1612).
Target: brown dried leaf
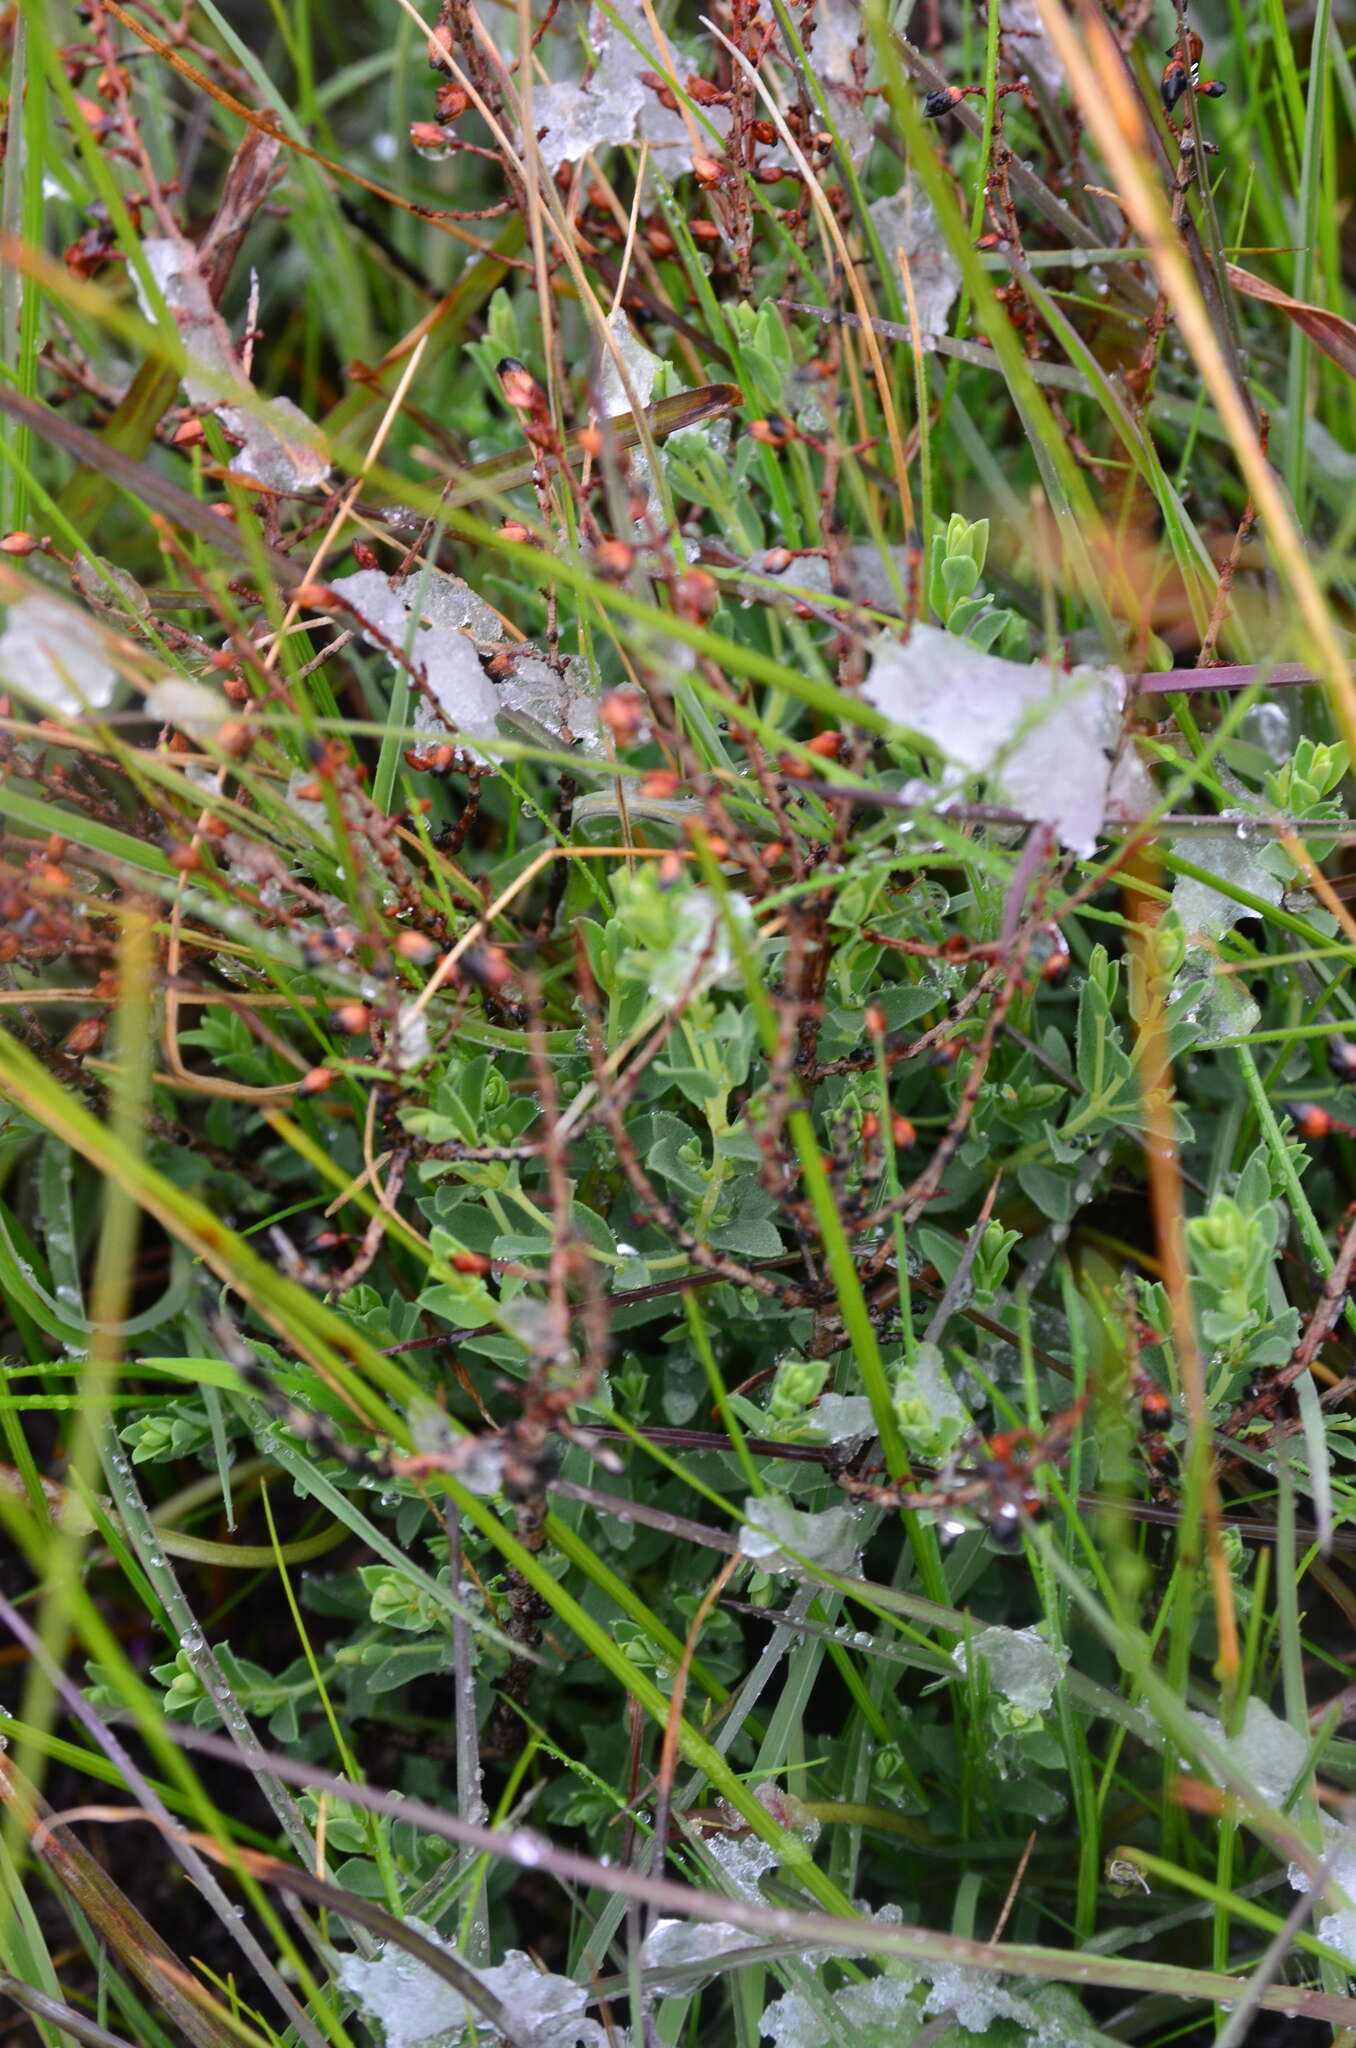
(1327, 331)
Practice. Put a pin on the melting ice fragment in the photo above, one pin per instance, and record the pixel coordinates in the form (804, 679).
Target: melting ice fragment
(614, 107)
(197, 711)
(877, 2014)
(279, 447)
(1023, 1668)
(828, 1539)
(1042, 737)
(1031, 48)
(532, 697)
(1266, 1751)
(55, 657)
(675, 1946)
(1207, 913)
(907, 224)
(642, 367)
(416, 2009)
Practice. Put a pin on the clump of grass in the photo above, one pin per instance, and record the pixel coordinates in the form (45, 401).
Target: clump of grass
(675, 965)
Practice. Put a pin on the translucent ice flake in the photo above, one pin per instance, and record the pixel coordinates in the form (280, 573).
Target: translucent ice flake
(410, 1040)
(614, 107)
(698, 953)
(1207, 913)
(1029, 46)
(416, 2009)
(554, 708)
(642, 367)
(1050, 2014)
(1216, 1004)
(776, 1527)
(1266, 1751)
(907, 225)
(673, 1948)
(197, 711)
(532, 697)
(1339, 1931)
(1023, 1668)
(280, 447)
(1041, 737)
(877, 2014)
(54, 656)
(1339, 1851)
(836, 1419)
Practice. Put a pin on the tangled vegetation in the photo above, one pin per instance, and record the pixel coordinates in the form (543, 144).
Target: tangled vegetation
(676, 973)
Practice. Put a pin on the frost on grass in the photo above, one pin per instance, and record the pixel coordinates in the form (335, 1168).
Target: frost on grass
(907, 226)
(775, 1528)
(1023, 1668)
(532, 697)
(574, 118)
(279, 446)
(55, 657)
(1041, 739)
(415, 2009)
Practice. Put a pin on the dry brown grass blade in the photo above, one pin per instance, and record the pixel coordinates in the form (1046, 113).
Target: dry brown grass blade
(186, 2003)
(1327, 331)
(1095, 68)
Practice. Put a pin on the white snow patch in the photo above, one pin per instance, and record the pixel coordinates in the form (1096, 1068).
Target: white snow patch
(197, 711)
(55, 657)
(1042, 737)
(614, 107)
(415, 2009)
(280, 447)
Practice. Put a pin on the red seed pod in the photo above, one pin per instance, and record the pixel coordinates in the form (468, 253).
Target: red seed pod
(828, 745)
(519, 386)
(661, 89)
(614, 559)
(414, 947)
(352, 1018)
(451, 100)
(773, 432)
(1310, 1119)
(316, 1081)
(84, 1037)
(708, 172)
(902, 1134)
(696, 595)
(469, 1262)
(875, 1020)
(660, 784)
(777, 560)
(20, 544)
(364, 554)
